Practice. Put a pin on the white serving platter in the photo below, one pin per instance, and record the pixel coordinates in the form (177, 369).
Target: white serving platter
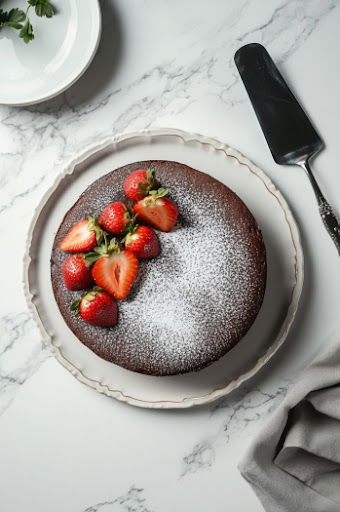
(284, 280)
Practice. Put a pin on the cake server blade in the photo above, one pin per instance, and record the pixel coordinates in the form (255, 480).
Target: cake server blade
(290, 135)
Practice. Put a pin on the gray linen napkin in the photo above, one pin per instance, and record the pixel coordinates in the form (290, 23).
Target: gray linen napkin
(294, 464)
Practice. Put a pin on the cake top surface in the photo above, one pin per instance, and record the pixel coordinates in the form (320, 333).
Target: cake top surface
(193, 302)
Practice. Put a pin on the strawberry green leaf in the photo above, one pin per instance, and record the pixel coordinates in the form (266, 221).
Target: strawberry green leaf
(94, 226)
(161, 192)
(150, 174)
(113, 246)
(92, 257)
(101, 249)
(130, 227)
(75, 305)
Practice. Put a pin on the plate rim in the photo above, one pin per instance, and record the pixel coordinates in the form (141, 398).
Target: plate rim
(65, 86)
(296, 289)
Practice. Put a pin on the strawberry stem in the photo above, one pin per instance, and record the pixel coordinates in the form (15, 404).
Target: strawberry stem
(89, 295)
(75, 305)
(151, 183)
(94, 226)
(102, 250)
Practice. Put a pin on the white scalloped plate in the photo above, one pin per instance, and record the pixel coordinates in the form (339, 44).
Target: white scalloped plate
(284, 282)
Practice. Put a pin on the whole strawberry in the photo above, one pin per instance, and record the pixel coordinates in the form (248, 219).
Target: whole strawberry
(157, 210)
(83, 236)
(139, 183)
(143, 242)
(114, 217)
(76, 273)
(97, 308)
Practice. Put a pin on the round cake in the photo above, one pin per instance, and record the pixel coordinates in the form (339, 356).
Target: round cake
(193, 302)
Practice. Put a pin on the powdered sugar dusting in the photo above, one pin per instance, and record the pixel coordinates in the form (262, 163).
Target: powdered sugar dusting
(198, 297)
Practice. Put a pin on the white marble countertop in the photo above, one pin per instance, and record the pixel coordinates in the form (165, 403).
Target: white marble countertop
(159, 64)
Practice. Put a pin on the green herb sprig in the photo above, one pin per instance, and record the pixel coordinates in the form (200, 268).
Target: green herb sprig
(19, 20)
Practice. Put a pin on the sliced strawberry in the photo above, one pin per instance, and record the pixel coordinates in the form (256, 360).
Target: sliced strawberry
(116, 273)
(76, 273)
(114, 217)
(139, 183)
(82, 237)
(143, 242)
(97, 308)
(158, 211)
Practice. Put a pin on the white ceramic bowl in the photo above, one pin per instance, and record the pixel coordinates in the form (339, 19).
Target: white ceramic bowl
(63, 48)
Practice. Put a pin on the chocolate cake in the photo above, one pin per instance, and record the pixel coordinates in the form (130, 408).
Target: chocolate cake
(192, 303)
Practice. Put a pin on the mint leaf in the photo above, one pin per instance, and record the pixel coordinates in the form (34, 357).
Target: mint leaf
(12, 24)
(27, 32)
(18, 19)
(16, 15)
(3, 16)
(11, 18)
(42, 8)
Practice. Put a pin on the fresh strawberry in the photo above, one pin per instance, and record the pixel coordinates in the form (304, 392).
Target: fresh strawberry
(97, 308)
(158, 211)
(116, 271)
(76, 273)
(114, 217)
(82, 237)
(139, 183)
(143, 242)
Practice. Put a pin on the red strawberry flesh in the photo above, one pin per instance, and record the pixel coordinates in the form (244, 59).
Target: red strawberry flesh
(161, 213)
(79, 238)
(116, 273)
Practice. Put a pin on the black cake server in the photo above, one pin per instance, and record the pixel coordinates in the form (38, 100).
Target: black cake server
(290, 135)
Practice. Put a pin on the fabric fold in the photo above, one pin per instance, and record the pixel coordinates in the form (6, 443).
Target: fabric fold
(294, 464)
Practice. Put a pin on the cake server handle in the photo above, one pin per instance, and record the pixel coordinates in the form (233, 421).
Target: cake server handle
(327, 214)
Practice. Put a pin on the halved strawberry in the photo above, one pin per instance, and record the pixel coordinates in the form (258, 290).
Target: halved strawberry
(116, 271)
(76, 273)
(114, 217)
(139, 183)
(82, 237)
(143, 242)
(158, 211)
(97, 308)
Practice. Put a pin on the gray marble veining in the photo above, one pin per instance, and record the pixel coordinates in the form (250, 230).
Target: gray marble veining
(132, 501)
(21, 354)
(235, 415)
